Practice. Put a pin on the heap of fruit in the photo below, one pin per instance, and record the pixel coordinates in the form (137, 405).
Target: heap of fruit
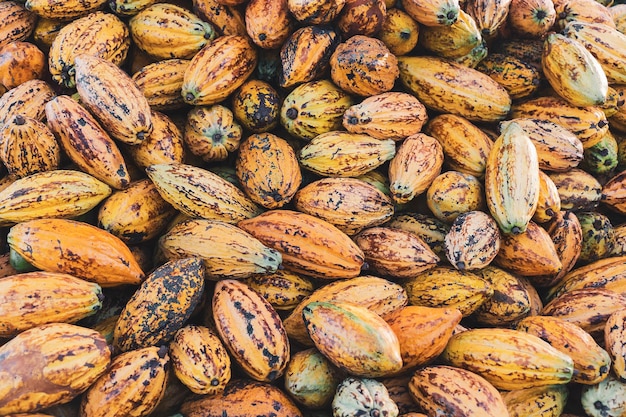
(313, 207)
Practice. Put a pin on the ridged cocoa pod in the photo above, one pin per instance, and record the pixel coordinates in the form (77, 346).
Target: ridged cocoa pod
(161, 305)
(377, 294)
(473, 241)
(283, 289)
(268, 22)
(28, 146)
(161, 83)
(530, 254)
(315, 12)
(394, 252)
(358, 17)
(132, 386)
(20, 61)
(251, 330)
(164, 145)
(452, 390)
(614, 336)
(200, 359)
(305, 55)
(361, 205)
(353, 338)
(86, 142)
(135, 214)
(452, 193)
(79, 355)
(268, 170)
(28, 99)
(235, 401)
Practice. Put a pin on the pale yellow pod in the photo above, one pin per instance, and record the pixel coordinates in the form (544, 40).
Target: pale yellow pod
(453, 41)
(573, 72)
(489, 15)
(512, 180)
(65, 10)
(544, 401)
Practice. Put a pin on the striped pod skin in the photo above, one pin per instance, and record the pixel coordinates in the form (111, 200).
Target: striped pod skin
(508, 359)
(164, 30)
(161, 83)
(353, 338)
(114, 98)
(395, 253)
(34, 298)
(251, 330)
(578, 190)
(59, 193)
(100, 34)
(447, 390)
(565, 231)
(546, 401)
(28, 99)
(445, 286)
(268, 170)
(129, 7)
(198, 192)
(305, 54)
(218, 69)
(449, 87)
(135, 214)
(391, 115)
(227, 20)
(377, 294)
(489, 15)
(465, 146)
(512, 180)
(588, 123)
(343, 154)
(558, 149)
(28, 146)
(226, 250)
(200, 359)
(66, 10)
(473, 241)
(64, 361)
(77, 248)
(164, 145)
(160, 306)
(86, 143)
(314, 108)
(348, 203)
(454, 41)
(17, 22)
(212, 132)
(591, 362)
(608, 273)
(308, 245)
(432, 12)
(133, 385)
(283, 289)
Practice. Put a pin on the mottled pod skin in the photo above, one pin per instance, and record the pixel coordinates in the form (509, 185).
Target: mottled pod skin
(251, 330)
(305, 54)
(283, 289)
(68, 10)
(48, 365)
(363, 66)
(315, 12)
(76, 248)
(236, 401)
(20, 61)
(377, 294)
(132, 386)
(508, 359)
(161, 305)
(591, 362)
(200, 360)
(161, 82)
(359, 17)
(58, 193)
(614, 336)
(268, 22)
(307, 244)
(548, 401)
(27, 99)
(356, 396)
(163, 145)
(353, 338)
(447, 390)
(473, 240)
(18, 22)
